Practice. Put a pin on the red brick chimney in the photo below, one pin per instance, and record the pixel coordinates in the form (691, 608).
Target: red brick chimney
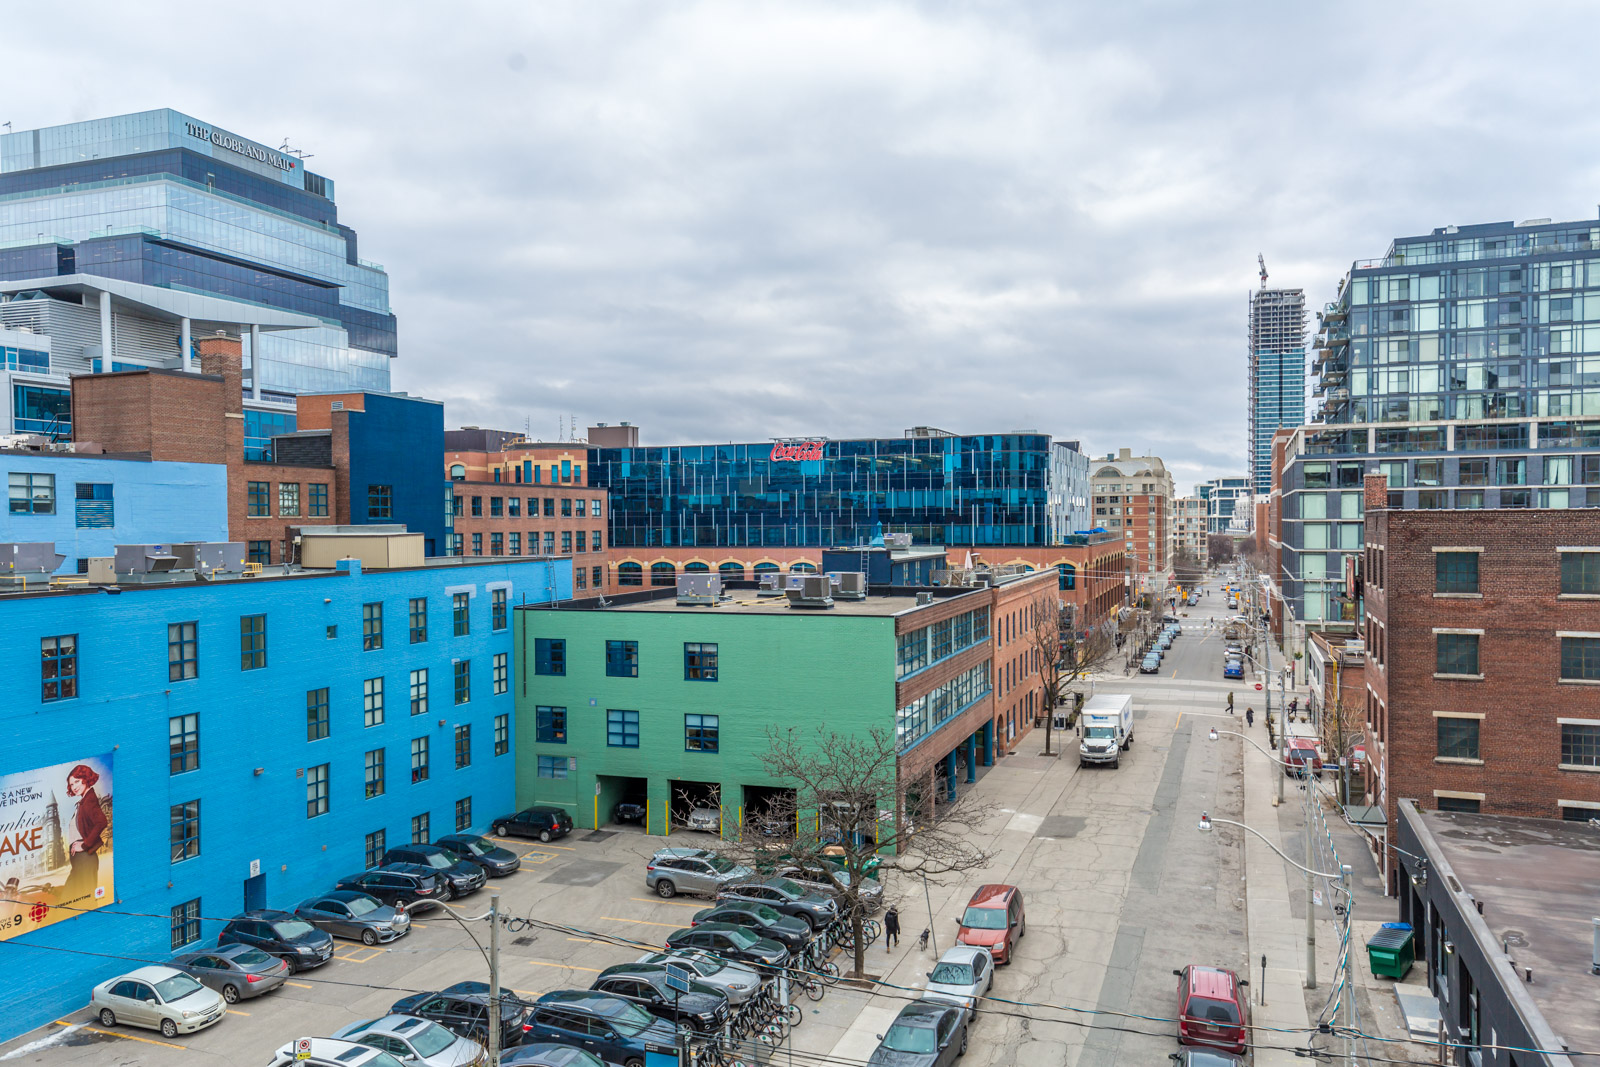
(169, 414)
(1376, 491)
(223, 356)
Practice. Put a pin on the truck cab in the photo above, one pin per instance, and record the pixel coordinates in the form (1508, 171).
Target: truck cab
(1107, 729)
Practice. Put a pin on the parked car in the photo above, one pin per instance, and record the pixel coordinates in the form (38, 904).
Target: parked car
(631, 811)
(707, 819)
(281, 934)
(326, 1052)
(1300, 757)
(407, 885)
(544, 1054)
(1151, 664)
(785, 897)
(463, 1009)
(456, 876)
(735, 981)
(994, 920)
(1233, 668)
(703, 1007)
(612, 1028)
(161, 998)
(962, 975)
(356, 915)
(1212, 1008)
(793, 934)
(1205, 1057)
(813, 879)
(546, 824)
(413, 1040)
(496, 862)
(732, 942)
(692, 870)
(238, 972)
(926, 1033)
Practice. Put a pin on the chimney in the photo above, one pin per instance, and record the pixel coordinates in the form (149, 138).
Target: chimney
(1376, 491)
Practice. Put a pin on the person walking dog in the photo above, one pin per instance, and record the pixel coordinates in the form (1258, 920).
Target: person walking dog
(891, 928)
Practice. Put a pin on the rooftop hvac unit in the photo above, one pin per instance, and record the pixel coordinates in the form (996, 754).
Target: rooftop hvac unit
(769, 585)
(25, 562)
(897, 540)
(924, 599)
(849, 585)
(814, 591)
(699, 589)
(143, 563)
(209, 557)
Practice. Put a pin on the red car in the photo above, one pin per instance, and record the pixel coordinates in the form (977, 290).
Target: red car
(1300, 757)
(994, 920)
(1212, 1008)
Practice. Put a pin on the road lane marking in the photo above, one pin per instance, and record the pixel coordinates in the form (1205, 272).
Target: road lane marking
(567, 966)
(675, 903)
(234, 1011)
(125, 1037)
(1179, 722)
(642, 922)
(302, 985)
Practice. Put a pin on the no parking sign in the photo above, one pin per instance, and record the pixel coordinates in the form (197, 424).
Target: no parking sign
(302, 1048)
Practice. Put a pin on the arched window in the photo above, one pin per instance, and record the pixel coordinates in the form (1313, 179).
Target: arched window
(1069, 576)
(732, 572)
(630, 574)
(458, 472)
(696, 568)
(802, 568)
(766, 568)
(663, 573)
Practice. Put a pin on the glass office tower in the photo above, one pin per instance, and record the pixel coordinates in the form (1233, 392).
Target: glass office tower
(1277, 374)
(940, 488)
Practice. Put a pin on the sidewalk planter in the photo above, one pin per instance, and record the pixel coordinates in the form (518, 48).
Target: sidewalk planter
(1390, 951)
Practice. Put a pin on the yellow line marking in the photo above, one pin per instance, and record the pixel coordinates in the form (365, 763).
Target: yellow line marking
(302, 985)
(642, 922)
(125, 1037)
(519, 841)
(589, 940)
(1179, 722)
(568, 966)
(232, 1011)
(418, 925)
(675, 903)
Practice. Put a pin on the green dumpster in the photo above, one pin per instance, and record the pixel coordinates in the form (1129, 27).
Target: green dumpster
(1390, 951)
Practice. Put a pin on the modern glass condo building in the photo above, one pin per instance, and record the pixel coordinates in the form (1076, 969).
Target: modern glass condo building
(1277, 373)
(940, 488)
(1465, 366)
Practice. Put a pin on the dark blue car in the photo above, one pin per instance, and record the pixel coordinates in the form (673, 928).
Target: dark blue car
(615, 1029)
(1234, 668)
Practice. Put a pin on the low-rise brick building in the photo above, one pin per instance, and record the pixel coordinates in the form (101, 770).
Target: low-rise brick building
(1482, 631)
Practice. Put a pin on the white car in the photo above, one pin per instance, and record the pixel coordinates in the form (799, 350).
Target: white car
(738, 982)
(414, 1040)
(707, 819)
(962, 975)
(161, 998)
(329, 1052)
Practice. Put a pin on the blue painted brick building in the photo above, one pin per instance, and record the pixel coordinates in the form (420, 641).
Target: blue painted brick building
(242, 719)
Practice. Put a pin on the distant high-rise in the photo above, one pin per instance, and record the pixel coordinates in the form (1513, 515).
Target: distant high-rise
(1277, 373)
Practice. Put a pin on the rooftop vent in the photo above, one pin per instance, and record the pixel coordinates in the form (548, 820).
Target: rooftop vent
(703, 589)
(25, 562)
(145, 563)
(848, 585)
(769, 585)
(814, 591)
(924, 599)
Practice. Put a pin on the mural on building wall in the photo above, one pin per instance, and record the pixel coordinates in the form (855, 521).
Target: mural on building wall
(55, 844)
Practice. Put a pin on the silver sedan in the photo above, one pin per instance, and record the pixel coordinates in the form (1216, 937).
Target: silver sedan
(238, 972)
(353, 914)
(413, 1040)
(962, 975)
(735, 980)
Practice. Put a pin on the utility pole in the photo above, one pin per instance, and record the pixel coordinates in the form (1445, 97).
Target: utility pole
(494, 981)
(1311, 902)
(1349, 970)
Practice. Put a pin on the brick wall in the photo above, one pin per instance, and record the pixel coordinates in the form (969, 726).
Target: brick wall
(168, 414)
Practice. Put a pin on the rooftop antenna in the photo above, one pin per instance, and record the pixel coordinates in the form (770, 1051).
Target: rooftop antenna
(572, 425)
(298, 152)
(7, 125)
(1263, 263)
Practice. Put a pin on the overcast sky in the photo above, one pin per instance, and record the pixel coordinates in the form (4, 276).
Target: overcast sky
(733, 221)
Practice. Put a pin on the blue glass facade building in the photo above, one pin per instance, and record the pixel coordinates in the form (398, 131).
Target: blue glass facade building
(978, 490)
(1277, 374)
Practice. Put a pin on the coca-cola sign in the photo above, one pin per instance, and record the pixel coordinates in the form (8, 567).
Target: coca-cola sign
(797, 453)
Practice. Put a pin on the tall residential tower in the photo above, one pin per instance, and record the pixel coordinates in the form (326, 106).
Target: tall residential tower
(1277, 373)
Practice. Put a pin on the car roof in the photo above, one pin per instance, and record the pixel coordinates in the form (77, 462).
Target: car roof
(425, 849)
(265, 915)
(543, 809)
(463, 838)
(643, 970)
(1216, 983)
(334, 1050)
(589, 999)
(344, 894)
(961, 954)
(152, 973)
(683, 853)
(923, 1013)
(397, 1024)
(991, 896)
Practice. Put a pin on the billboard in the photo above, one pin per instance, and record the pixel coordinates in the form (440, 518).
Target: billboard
(55, 844)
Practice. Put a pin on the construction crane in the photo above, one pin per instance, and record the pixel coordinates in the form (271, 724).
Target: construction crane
(1263, 263)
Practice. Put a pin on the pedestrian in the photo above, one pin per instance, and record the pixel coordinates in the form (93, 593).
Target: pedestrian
(1230, 703)
(1249, 716)
(891, 928)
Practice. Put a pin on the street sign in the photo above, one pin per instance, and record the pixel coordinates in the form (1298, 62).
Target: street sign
(255, 868)
(302, 1048)
(677, 977)
(1258, 685)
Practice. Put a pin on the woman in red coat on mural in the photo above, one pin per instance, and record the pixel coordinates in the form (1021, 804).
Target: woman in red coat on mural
(90, 822)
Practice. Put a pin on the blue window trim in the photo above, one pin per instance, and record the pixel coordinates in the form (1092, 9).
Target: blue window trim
(700, 661)
(701, 733)
(551, 725)
(622, 659)
(621, 728)
(979, 637)
(550, 655)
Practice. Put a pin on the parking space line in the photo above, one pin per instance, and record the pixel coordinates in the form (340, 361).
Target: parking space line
(302, 985)
(641, 922)
(125, 1037)
(510, 841)
(544, 857)
(675, 903)
(367, 953)
(567, 966)
(589, 940)
(234, 1011)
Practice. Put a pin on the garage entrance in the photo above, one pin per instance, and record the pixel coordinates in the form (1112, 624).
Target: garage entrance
(687, 795)
(769, 811)
(615, 789)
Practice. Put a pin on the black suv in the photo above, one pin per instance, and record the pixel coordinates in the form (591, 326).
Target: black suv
(463, 1009)
(704, 1007)
(398, 885)
(457, 876)
(785, 898)
(282, 934)
(546, 824)
(496, 862)
(630, 811)
(616, 1030)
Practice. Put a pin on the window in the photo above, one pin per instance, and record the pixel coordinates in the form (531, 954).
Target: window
(1580, 573)
(58, 667)
(289, 499)
(551, 725)
(183, 743)
(377, 845)
(463, 746)
(1455, 572)
(33, 494)
(549, 655)
(514, 508)
(622, 729)
(630, 574)
(183, 651)
(317, 498)
(420, 832)
(502, 734)
(419, 691)
(371, 626)
(497, 609)
(699, 662)
(477, 507)
(583, 540)
(496, 507)
(594, 539)
(185, 923)
(463, 680)
(316, 790)
(373, 773)
(549, 542)
(1580, 659)
(94, 508)
(380, 501)
(549, 507)
(502, 672)
(566, 507)
(566, 548)
(1456, 654)
(258, 499)
(595, 577)
(372, 702)
(1469, 805)
(1457, 738)
(1580, 744)
(622, 659)
(496, 544)
(260, 552)
(252, 642)
(185, 830)
(552, 766)
(419, 620)
(459, 604)
(317, 720)
(1474, 472)
(463, 815)
(700, 733)
(419, 759)
(911, 652)
(514, 543)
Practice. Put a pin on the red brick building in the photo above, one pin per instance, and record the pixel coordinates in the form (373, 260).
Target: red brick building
(1483, 659)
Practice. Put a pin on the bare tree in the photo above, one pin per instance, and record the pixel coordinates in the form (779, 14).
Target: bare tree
(1186, 567)
(1063, 657)
(1220, 548)
(844, 817)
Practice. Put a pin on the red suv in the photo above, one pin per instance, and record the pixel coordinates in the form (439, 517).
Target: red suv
(1212, 1008)
(994, 920)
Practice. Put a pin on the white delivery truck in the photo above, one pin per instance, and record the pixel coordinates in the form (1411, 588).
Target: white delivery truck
(1107, 728)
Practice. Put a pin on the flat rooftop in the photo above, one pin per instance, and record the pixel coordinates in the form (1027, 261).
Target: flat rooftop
(1539, 880)
(744, 601)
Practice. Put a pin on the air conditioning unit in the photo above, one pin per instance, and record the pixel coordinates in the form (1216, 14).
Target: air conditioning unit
(699, 588)
(769, 585)
(849, 585)
(814, 591)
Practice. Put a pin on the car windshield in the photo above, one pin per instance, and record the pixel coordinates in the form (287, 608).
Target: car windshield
(432, 1040)
(360, 906)
(436, 861)
(984, 919)
(632, 1021)
(477, 846)
(910, 1039)
(952, 974)
(176, 988)
(1101, 731)
(289, 929)
(252, 957)
(704, 965)
(1213, 1011)
(741, 937)
(765, 914)
(786, 887)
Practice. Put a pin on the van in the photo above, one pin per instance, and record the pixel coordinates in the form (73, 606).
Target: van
(1107, 729)
(994, 920)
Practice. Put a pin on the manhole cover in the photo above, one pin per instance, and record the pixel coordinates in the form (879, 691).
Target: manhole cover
(1514, 937)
